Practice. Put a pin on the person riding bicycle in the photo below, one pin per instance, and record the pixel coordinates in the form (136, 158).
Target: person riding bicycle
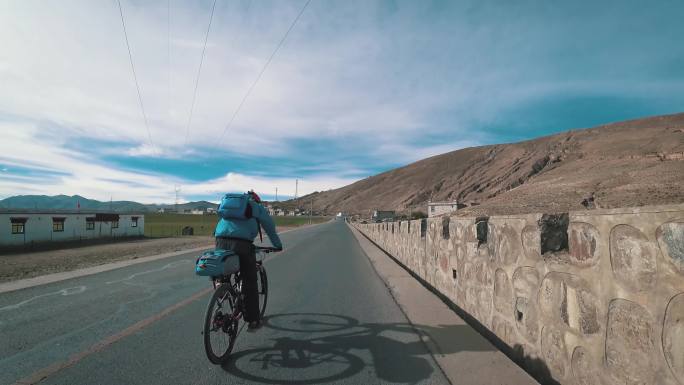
(241, 218)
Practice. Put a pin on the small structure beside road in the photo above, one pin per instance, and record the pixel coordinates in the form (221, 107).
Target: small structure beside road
(382, 216)
(439, 208)
(24, 227)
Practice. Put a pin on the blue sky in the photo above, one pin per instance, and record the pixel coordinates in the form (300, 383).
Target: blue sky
(357, 88)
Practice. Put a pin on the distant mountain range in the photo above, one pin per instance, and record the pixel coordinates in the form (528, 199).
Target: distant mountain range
(65, 202)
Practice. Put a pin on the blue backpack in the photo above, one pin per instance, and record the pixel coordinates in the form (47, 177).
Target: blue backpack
(237, 206)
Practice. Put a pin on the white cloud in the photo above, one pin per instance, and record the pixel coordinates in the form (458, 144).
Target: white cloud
(54, 170)
(147, 150)
(286, 186)
(380, 83)
(56, 67)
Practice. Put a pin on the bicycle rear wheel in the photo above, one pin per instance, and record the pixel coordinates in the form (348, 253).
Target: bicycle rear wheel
(262, 286)
(220, 327)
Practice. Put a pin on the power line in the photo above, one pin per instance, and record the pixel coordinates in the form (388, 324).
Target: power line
(135, 77)
(249, 91)
(168, 56)
(199, 71)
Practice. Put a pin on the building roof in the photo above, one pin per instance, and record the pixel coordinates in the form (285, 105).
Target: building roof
(67, 212)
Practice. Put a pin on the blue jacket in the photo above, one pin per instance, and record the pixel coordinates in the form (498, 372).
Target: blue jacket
(248, 229)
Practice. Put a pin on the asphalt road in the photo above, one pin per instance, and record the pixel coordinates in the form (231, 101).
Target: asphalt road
(330, 319)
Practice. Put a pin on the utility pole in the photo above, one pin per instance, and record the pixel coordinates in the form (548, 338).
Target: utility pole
(296, 193)
(276, 195)
(176, 189)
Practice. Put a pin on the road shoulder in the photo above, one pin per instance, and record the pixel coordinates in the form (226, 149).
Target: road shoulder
(465, 356)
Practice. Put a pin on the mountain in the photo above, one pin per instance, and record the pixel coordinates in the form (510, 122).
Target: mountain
(632, 163)
(65, 202)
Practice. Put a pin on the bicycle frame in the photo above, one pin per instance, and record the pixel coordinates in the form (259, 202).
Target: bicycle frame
(235, 286)
(229, 288)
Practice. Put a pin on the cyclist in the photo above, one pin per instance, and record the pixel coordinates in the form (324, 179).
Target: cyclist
(237, 233)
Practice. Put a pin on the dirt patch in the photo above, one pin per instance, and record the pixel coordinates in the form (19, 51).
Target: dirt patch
(33, 264)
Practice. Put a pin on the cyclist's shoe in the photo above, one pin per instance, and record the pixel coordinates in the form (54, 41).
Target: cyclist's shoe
(254, 326)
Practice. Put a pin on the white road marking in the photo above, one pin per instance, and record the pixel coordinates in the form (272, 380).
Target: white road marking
(167, 266)
(65, 292)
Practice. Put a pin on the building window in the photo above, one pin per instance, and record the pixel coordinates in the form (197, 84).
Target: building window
(115, 224)
(58, 224)
(17, 228)
(134, 221)
(432, 209)
(18, 225)
(90, 223)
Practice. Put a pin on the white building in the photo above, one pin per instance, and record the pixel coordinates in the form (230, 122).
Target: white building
(440, 208)
(20, 227)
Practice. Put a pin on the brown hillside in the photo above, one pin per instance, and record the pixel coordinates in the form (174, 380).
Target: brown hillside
(632, 163)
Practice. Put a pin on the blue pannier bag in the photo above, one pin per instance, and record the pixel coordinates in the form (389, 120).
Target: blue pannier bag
(216, 263)
(235, 206)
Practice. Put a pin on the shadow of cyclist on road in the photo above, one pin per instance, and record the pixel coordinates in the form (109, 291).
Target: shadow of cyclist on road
(334, 347)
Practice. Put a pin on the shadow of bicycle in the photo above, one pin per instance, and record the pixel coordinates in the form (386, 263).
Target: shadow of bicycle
(334, 347)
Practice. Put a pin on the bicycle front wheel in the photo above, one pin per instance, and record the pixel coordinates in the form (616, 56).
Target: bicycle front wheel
(262, 286)
(220, 327)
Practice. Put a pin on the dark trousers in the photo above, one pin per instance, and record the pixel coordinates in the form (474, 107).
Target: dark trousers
(248, 272)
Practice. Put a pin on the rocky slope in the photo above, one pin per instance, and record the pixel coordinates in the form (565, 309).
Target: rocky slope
(631, 163)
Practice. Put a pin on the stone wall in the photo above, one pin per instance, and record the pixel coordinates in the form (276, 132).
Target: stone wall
(592, 297)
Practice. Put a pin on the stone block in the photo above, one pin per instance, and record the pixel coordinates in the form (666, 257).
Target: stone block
(479, 303)
(484, 254)
(503, 300)
(583, 242)
(503, 329)
(671, 240)
(673, 336)
(457, 256)
(470, 233)
(483, 273)
(504, 243)
(531, 242)
(554, 352)
(633, 258)
(567, 298)
(630, 349)
(525, 289)
(584, 369)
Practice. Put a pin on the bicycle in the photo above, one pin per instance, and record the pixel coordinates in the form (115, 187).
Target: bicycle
(226, 308)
